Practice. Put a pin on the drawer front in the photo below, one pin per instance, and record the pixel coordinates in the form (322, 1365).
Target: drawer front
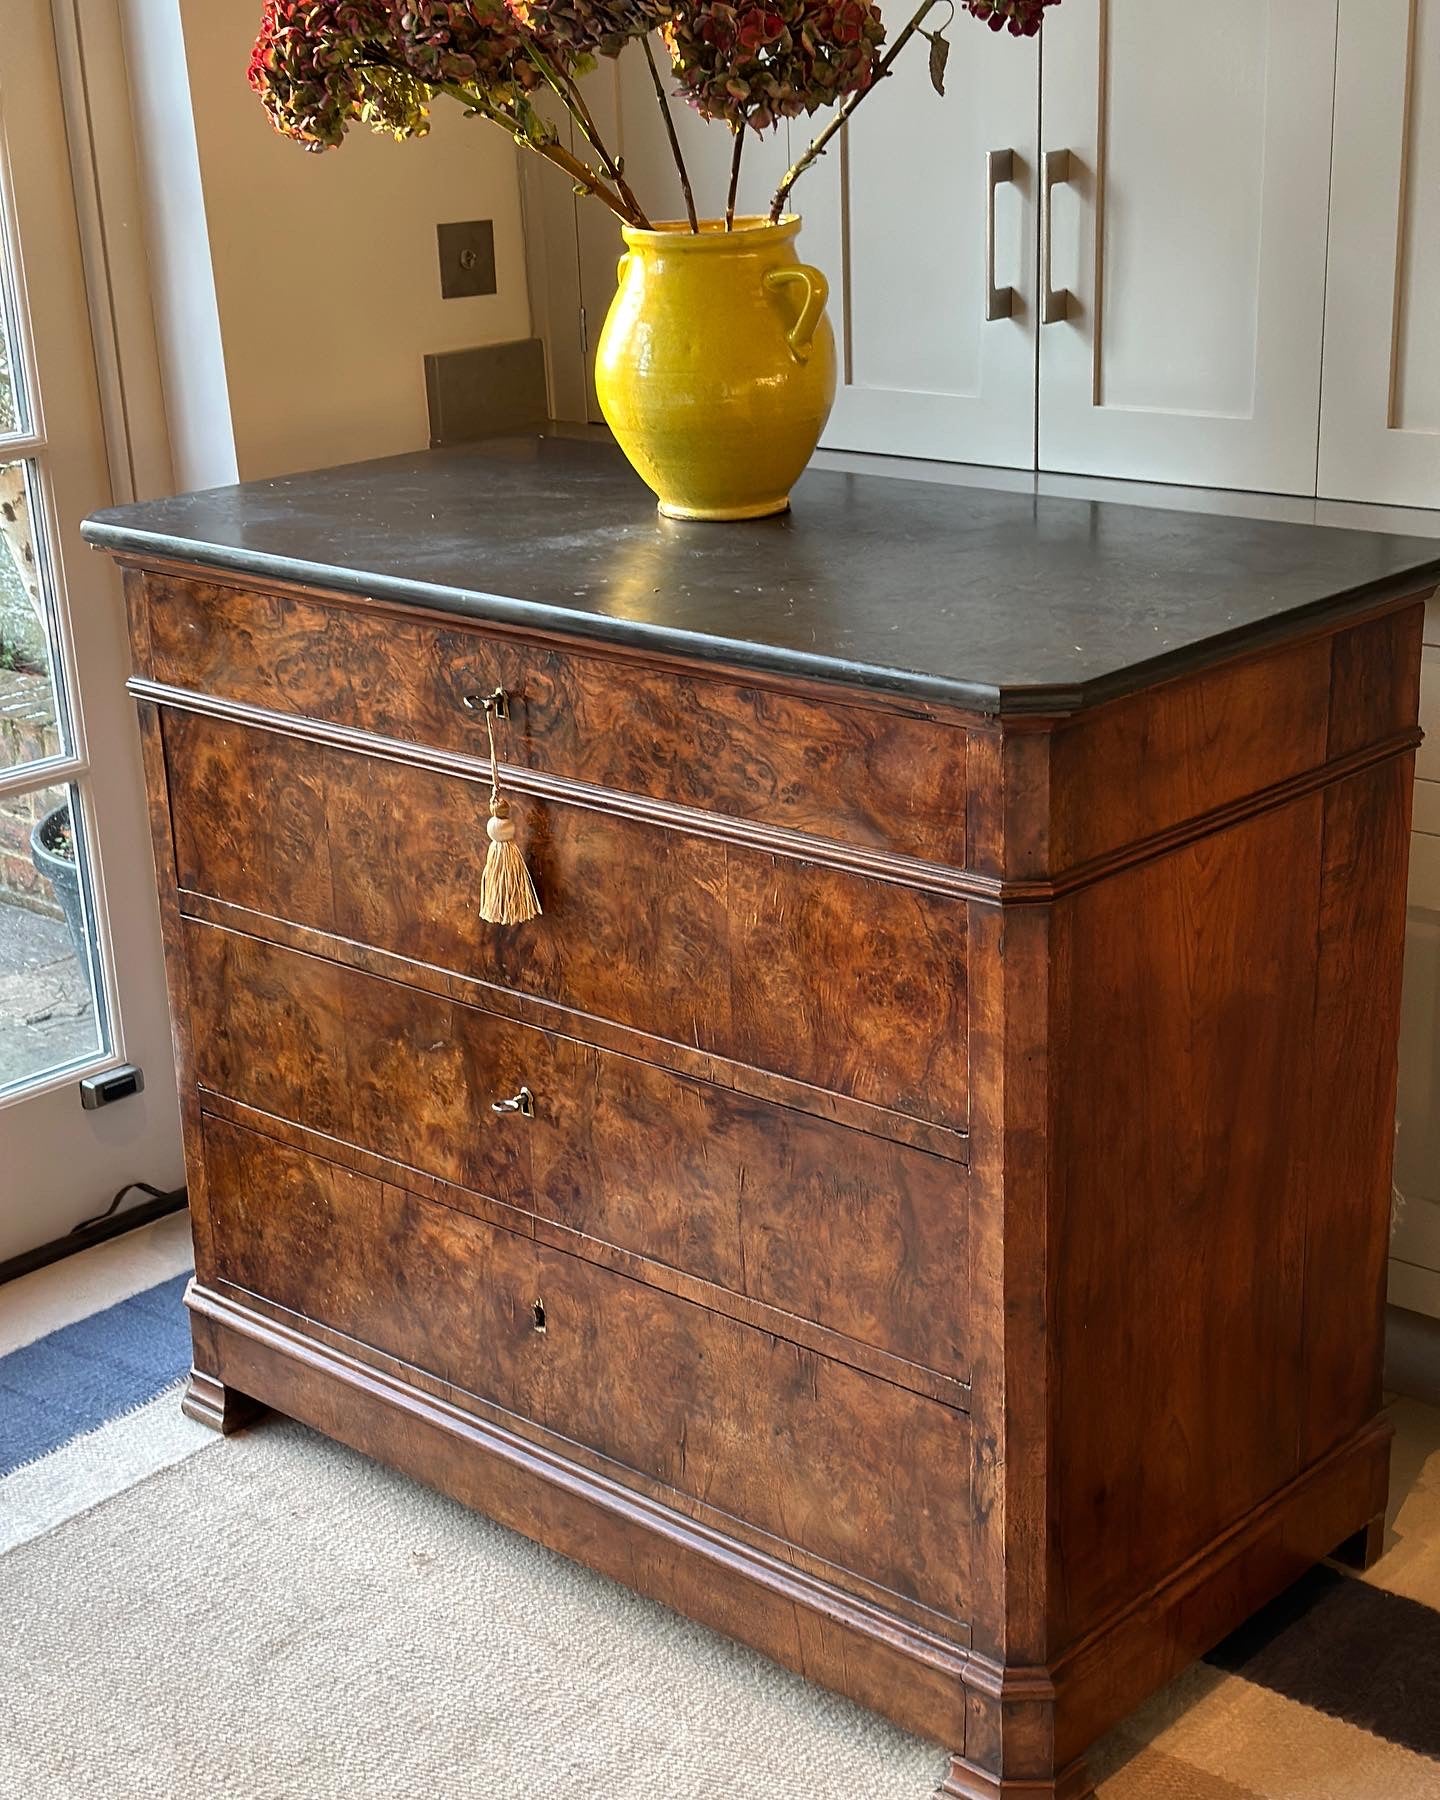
(863, 1474)
(850, 1231)
(865, 776)
(815, 973)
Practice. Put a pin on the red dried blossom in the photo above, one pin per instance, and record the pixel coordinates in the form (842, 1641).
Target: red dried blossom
(757, 64)
(472, 43)
(320, 66)
(591, 27)
(1021, 17)
(757, 28)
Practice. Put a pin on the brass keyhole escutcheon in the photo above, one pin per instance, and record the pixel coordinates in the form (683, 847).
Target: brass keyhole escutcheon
(496, 702)
(522, 1102)
(537, 1313)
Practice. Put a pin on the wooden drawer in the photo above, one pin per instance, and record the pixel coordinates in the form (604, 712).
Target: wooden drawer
(854, 1232)
(861, 774)
(860, 1473)
(818, 974)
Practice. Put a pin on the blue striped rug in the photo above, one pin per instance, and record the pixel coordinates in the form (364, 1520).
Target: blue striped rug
(74, 1380)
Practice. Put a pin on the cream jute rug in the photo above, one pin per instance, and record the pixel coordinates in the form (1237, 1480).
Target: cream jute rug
(278, 1619)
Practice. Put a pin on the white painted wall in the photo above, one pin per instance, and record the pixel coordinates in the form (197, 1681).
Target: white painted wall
(172, 203)
(322, 268)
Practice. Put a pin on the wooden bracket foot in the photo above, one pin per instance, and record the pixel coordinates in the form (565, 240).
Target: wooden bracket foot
(966, 1782)
(212, 1403)
(1363, 1548)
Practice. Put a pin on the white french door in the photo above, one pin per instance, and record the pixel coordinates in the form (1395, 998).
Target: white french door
(1187, 162)
(81, 981)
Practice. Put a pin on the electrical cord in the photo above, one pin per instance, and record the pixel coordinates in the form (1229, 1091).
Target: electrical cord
(130, 1187)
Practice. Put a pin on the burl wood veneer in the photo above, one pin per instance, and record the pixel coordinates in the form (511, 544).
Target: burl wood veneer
(943, 1243)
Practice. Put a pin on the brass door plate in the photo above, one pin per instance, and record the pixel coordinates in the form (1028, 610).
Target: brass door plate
(467, 258)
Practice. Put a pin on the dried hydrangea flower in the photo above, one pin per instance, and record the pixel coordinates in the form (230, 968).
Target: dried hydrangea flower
(303, 66)
(591, 27)
(470, 43)
(320, 66)
(757, 64)
(1021, 17)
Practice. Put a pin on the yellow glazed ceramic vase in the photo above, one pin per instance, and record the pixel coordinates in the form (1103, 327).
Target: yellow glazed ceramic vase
(716, 366)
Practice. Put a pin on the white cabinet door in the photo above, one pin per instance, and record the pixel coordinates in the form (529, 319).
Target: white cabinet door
(1415, 1247)
(1189, 233)
(1380, 421)
(897, 215)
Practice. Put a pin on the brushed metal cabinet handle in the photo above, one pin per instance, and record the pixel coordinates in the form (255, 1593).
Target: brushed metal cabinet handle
(999, 168)
(1054, 302)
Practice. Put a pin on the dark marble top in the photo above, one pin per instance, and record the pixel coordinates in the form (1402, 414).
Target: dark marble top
(1003, 601)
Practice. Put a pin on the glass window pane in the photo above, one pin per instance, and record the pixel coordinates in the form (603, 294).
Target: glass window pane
(50, 1013)
(31, 718)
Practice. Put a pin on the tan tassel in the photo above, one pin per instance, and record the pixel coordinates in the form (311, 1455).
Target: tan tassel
(507, 894)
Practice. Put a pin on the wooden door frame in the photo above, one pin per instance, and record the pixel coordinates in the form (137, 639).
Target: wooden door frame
(105, 174)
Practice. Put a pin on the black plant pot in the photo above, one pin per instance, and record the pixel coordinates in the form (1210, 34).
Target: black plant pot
(63, 874)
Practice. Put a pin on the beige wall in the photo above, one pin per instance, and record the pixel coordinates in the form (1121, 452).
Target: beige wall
(325, 267)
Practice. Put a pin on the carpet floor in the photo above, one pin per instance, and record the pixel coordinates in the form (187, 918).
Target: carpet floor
(272, 1617)
(281, 1620)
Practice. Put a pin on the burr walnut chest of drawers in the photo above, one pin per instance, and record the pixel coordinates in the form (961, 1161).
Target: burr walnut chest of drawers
(917, 1197)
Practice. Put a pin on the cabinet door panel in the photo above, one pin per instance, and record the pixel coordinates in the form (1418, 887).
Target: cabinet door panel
(895, 214)
(1190, 237)
(1380, 422)
(1415, 1244)
(1427, 758)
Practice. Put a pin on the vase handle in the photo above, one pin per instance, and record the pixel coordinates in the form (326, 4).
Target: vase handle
(801, 334)
(622, 266)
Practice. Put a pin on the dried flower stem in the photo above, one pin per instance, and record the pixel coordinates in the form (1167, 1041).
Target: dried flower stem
(734, 176)
(614, 165)
(673, 135)
(586, 179)
(820, 143)
(574, 103)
